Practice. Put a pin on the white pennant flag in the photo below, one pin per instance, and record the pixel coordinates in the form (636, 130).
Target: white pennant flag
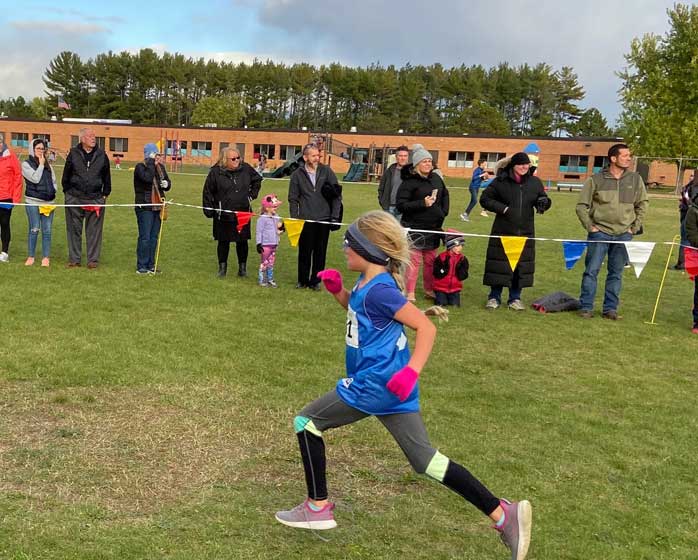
(638, 254)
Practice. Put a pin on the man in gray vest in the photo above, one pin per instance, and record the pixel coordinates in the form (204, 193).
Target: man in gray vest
(86, 183)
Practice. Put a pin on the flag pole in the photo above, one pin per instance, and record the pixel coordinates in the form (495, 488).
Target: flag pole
(162, 225)
(661, 284)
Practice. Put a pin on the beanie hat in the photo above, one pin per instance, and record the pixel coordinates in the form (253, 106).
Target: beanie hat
(150, 150)
(419, 154)
(455, 239)
(519, 159)
(270, 201)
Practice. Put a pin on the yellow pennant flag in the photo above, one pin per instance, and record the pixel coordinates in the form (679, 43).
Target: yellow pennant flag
(513, 247)
(46, 210)
(293, 229)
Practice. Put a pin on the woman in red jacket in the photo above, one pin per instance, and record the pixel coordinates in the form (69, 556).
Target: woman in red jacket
(10, 193)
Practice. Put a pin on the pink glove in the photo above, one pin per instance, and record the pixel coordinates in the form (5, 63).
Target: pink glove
(332, 280)
(402, 383)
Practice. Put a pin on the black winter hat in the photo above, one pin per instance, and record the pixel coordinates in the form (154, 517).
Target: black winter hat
(519, 158)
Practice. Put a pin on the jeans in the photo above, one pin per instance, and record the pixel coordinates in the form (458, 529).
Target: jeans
(617, 257)
(38, 221)
(395, 213)
(514, 290)
(148, 231)
(473, 199)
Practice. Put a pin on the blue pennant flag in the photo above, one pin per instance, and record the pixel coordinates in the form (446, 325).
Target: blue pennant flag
(573, 251)
(6, 205)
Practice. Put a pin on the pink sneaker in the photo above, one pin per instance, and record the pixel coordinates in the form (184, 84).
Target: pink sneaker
(29, 261)
(516, 531)
(45, 262)
(302, 517)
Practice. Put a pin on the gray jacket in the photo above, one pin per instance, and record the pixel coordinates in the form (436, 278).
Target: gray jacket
(385, 187)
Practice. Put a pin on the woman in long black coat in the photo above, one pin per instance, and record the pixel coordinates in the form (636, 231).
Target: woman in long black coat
(514, 196)
(231, 185)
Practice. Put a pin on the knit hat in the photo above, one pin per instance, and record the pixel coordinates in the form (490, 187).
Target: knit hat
(419, 153)
(519, 159)
(270, 201)
(150, 150)
(455, 239)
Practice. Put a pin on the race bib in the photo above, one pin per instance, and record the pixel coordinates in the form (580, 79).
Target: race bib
(352, 335)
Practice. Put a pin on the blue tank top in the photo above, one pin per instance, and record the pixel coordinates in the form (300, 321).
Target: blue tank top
(373, 355)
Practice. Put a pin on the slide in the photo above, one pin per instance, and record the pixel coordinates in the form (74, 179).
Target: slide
(288, 167)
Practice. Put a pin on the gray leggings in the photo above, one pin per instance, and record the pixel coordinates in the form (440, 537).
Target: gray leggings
(329, 411)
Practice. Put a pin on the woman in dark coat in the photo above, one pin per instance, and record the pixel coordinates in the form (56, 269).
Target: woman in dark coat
(423, 201)
(231, 185)
(513, 196)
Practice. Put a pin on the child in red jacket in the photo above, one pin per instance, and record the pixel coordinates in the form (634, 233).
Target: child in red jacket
(450, 269)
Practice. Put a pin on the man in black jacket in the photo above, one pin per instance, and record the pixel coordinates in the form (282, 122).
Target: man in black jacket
(314, 194)
(391, 180)
(87, 184)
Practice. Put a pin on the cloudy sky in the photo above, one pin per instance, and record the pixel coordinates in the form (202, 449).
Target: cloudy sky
(589, 35)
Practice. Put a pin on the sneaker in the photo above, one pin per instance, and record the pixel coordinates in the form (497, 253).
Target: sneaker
(516, 531)
(45, 262)
(694, 330)
(586, 314)
(4, 257)
(678, 266)
(142, 271)
(516, 305)
(411, 297)
(262, 284)
(29, 261)
(627, 265)
(492, 304)
(612, 315)
(302, 517)
(464, 217)
(315, 287)
(153, 271)
(484, 214)
(272, 284)
(429, 295)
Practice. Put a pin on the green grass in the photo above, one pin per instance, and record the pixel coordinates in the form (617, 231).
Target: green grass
(150, 417)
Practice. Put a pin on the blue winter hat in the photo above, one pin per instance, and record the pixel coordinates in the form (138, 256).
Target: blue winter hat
(532, 148)
(150, 150)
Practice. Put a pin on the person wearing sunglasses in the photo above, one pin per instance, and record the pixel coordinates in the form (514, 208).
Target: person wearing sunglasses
(230, 186)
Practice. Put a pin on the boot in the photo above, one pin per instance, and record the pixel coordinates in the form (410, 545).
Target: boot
(222, 270)
(270, 277)
(242, 269)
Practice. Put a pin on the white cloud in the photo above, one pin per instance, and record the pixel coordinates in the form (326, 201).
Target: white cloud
(59, 27)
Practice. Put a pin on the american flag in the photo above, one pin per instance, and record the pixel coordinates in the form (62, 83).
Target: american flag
(62, 104)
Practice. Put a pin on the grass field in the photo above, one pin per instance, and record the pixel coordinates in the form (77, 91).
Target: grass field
(150, 417)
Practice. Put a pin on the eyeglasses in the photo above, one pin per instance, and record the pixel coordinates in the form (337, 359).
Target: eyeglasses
(234, 158)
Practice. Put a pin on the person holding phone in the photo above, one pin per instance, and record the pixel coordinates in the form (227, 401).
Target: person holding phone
(423, 202)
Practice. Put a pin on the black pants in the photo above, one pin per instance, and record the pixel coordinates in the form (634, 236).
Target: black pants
(5, 236)
(241, 248)
(312, 252)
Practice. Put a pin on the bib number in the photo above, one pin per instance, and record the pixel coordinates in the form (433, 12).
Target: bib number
(352, 334)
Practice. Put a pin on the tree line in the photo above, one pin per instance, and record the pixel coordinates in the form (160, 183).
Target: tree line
(174, 90)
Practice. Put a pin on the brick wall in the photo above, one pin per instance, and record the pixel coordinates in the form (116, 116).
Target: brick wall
(440, 146)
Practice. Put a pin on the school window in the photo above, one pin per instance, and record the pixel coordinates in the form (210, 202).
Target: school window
(118, 145)
(20, 140)
(176, 147)
(222, 146)
(74, 141)
(460, 159)
(202, 149)
(574, 164)
(288, 152)
(268, 150)
(101, 141)
(491, 158)
(599, 163)
(45, 137)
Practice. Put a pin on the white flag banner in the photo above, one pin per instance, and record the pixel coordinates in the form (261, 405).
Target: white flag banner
(638, 254)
